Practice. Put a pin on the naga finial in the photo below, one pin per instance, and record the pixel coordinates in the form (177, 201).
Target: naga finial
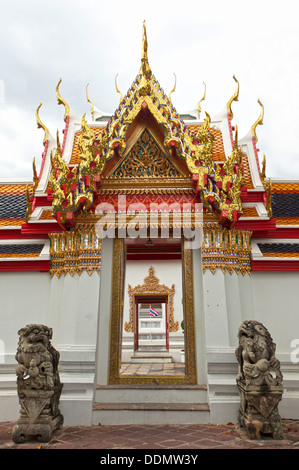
(117, 90)
(173, 87)
(258, 121)
(35, 177)
(41, 125)
(62, 101)
(92, 105)
(203, 98)
(235, 97)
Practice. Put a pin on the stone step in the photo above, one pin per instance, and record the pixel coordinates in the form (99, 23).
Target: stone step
(152, 357)
(150, 393)
(150, 413)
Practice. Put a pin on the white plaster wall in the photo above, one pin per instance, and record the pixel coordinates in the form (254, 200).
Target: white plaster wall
(276, 305)
(268, 297)
(70, 306)
(104, 313)
(74, 309)
(24, 300)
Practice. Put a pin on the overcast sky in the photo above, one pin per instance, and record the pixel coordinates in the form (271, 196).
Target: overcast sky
(199, 41)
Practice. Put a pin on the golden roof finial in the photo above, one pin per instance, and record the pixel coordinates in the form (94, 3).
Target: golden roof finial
(173, 87)
(62, 101)
(117, 90)
(203, 98)
(41, 125)
(235, 97)
(145, 70)
(92, 105)
(258, 121)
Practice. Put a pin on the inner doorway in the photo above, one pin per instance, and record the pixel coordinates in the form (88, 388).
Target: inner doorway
(152, 335)
(151, 331)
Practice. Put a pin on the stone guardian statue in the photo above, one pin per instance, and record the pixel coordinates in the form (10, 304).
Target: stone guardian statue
(38, 385)
(259, 381)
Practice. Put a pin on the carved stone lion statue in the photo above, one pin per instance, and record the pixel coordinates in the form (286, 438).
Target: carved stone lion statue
(37, 359)
(256, 355)
(38, 384)
(259, 381)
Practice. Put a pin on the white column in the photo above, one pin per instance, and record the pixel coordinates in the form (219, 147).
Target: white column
(214, 295)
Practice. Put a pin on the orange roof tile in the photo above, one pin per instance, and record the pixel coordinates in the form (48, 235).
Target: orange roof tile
(287, 220)
(246, 172)
(46, 215)
(282, 255)
(287, 188)
(12, 222)
(249, 212)
(19, 255)
(14, 189)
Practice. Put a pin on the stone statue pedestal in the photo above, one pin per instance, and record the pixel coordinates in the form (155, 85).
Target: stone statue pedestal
(40, 415)
(258, 412)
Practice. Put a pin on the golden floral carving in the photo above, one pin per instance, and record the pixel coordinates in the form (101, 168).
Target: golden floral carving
(146, 160)
(151, 286)
(74, 252)
(228, 250)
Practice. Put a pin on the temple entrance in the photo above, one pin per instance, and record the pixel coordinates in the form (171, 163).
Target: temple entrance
(152, 307)
(151, 303)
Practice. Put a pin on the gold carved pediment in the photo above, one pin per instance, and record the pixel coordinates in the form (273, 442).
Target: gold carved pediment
(145, 159)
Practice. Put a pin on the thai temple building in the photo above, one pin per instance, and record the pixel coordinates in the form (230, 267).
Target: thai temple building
(144, 240)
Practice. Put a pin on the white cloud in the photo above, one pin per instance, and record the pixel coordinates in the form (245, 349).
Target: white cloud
(91, 42)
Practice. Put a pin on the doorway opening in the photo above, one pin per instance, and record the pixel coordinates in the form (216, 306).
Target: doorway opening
(151, 332)
(152, 300)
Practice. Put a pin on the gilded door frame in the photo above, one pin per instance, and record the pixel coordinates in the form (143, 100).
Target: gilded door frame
(190, 376)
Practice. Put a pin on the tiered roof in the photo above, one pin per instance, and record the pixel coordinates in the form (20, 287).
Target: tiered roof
(210, 166)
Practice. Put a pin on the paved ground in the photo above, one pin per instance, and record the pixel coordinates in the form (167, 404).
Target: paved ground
(162, 438)
(171, 368)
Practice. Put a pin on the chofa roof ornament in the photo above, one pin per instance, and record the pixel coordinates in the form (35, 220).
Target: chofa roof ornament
(259, 121)
(202, 99)
(235, 97)
(62, 101)
(92, 105)
(40, 125)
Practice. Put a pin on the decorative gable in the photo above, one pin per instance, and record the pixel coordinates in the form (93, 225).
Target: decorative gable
(145, 160)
